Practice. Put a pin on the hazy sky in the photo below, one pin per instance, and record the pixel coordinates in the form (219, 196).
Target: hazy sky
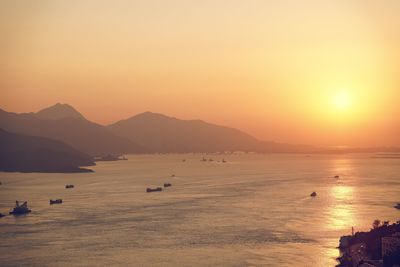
(312, 71)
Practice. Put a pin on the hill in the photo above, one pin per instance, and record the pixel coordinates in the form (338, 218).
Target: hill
(62, 122)
(22, 153)
(59, 111)
(163, 134)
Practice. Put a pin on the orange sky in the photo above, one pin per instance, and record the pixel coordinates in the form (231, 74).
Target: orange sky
(314, 71)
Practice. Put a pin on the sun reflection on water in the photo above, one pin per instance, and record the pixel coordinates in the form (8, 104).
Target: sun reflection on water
(341, 217)
(341, 212)
(342, 192)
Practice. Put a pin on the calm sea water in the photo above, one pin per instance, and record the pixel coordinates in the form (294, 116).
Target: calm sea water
(254, 210)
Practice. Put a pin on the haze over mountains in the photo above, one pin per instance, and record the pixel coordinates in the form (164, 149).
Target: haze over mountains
(163, 134)
(62, 122)
(144, 133)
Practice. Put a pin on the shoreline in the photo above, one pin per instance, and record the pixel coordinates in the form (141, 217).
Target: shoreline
(380, 247)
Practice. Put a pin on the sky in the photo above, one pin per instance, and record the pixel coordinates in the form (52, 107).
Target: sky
(313, 72)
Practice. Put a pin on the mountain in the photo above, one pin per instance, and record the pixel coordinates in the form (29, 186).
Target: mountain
(24, 153)
(64, 123)
(160, 133)
(59, 111)
(148, 133)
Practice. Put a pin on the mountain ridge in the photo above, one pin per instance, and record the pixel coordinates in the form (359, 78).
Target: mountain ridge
(83, 135)
(149, 132)
(183, 135)
(59, 111)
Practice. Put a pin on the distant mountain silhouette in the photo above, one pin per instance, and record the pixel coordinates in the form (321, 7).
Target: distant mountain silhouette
(160, 133)
(58, 111)
(62, 122)
(148, 133)
(24, 153)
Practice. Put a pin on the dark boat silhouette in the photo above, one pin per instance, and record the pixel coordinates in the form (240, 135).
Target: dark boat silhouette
(69, 186)
(336, 176)
(20, 209)
(313, 194)
(157, 189)
(397, 206)
(55, 201)
(2, 215)
(167, 184)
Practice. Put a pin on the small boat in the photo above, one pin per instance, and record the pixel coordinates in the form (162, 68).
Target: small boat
(204, 159)
(2, 215)
(167, 185)
(56, 201)
(223, 160)
(336, 176)
(173, 175)
(20, 209)
(69, 186)
(210, 159)
(183, 160)
(397, 206)
(157, 189)
(313, 194)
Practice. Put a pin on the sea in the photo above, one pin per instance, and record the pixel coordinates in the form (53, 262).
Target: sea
(251, 210)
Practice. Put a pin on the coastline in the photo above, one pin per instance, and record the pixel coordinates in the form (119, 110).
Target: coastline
(380, 247)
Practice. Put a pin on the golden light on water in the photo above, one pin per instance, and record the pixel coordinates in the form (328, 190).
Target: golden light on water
(341, 217)
(341, 213)
(342, 192)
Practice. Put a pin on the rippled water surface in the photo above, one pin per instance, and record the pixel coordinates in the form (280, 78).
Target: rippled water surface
(254, 210)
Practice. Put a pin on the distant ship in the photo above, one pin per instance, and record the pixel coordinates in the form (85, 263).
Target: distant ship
(56, 201)
(20, 209)
(149, 190)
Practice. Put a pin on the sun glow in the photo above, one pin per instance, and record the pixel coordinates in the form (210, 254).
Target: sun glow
(341, 101)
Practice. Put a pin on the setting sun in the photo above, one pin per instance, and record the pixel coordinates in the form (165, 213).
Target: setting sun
(342, 101)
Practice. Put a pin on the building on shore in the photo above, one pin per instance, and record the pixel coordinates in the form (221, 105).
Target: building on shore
(380, 247)
(390, 244)
(391, 250)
